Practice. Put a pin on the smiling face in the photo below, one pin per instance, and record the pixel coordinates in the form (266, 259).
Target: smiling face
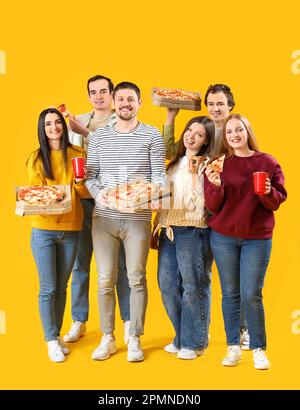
(236, 135)
(218, 108)
(99, 95)
(194, 137)
(127, 104)
(53, 127)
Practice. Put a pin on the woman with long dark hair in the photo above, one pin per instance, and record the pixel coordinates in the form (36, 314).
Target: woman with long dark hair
(184, 256)
(242, 226)
(54, 237)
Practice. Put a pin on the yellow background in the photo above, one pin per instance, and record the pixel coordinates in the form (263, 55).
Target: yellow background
(51, 49)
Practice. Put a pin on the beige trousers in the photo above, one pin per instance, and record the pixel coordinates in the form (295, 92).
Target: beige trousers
(107, 235)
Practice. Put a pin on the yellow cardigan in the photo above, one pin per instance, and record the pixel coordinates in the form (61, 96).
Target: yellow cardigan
(71, 221)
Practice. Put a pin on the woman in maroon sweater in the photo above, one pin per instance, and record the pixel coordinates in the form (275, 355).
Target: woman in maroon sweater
(242, 225)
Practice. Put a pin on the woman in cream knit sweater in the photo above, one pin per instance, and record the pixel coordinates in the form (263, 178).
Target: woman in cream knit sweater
(184, 255)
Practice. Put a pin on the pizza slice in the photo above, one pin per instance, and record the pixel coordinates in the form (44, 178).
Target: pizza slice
(63, 109)
(217, 164)
(197, 159)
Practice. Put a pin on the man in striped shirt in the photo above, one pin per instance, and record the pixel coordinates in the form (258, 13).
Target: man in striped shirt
(118, 153)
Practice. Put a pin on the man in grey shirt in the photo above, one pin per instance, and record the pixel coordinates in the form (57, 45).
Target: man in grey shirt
(100, 90)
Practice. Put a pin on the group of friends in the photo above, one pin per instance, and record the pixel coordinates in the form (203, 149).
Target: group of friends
(210, 216)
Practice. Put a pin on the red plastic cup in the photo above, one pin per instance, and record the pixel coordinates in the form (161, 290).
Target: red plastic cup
(259, 180)
(78, 167)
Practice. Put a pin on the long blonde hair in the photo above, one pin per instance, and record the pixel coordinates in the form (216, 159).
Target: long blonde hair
(252, 144)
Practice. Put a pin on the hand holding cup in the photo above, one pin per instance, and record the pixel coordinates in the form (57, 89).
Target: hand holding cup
(262, 183)
(78, 164)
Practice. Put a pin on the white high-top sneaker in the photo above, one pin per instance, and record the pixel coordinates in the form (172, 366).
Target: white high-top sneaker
(171, 348)
(76, 331)
(233, 356)
(55, 352)
(106, 347)
(135, 353)
(189, 354)
(63, 346)
(245, 340)
(261, 361)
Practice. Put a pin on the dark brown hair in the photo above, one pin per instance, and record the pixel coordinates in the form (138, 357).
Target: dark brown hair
(205, 149)
(44, 151)
(100, 77)
(127, 85)
(221, 88)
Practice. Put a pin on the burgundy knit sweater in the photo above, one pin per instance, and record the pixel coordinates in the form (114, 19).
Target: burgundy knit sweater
(237, 210)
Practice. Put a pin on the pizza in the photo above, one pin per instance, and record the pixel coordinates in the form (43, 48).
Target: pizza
(63, 109)
(131, 193)
(177, 94)
(134, 190)
(217, 164)
(40, 195)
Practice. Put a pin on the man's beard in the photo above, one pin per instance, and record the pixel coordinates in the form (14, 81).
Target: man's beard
(130, 117)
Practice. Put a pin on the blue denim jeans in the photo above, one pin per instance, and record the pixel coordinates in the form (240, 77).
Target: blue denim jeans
(54, 253)
(81, 271)
(184, 271)
(242, 265)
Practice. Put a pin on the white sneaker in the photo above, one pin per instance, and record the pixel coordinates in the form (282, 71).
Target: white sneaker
(245, 340)
(261, 361)
(63, 346)
(188, 354)
(76, 331)
(170, 348)
(106, 347)
(55, 352)
(234, 354)
(126, 331)
(135, 353)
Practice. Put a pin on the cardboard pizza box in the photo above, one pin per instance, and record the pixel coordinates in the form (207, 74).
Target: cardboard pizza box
(141, 201)
(63, 207)
(173, 103)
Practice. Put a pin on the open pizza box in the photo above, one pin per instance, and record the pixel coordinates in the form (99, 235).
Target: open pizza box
(63, 207)
(138, 201)
(194, 105)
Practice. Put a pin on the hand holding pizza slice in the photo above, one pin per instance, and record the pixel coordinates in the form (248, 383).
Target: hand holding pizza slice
(194, 163)
(63, 109)
(217, 164)
(214, 170)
